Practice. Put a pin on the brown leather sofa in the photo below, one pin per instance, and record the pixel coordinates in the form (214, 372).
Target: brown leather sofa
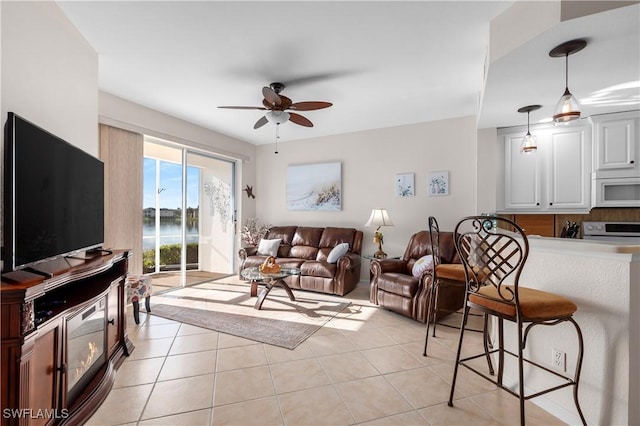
(307, 248)
(394, 287)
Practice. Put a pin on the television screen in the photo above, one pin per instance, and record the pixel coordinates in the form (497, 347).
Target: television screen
(56, 196)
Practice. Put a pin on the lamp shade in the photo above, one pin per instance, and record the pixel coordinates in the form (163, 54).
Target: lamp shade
(277, 117)
(529, 144)
(567, 109)
(379, 217)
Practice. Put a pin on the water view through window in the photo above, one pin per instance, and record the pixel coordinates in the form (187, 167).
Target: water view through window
(162, 224)
(207, 224)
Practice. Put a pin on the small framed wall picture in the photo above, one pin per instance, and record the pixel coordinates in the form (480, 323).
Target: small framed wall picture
(438, 184)
(405, 185)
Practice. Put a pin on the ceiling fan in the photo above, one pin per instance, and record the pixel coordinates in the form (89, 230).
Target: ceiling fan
(279, 107)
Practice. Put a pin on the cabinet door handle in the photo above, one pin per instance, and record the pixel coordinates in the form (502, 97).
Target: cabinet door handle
(631, 162)
(537, 204)
(112, 321)
(550, 204)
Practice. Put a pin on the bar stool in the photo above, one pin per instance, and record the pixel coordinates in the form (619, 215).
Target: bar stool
(448, 275)
(139, 287)
(493, 260)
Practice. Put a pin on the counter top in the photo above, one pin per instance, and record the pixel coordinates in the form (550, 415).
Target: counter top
(583, 245)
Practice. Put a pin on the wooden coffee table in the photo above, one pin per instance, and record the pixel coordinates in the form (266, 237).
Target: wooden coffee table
(269, 280)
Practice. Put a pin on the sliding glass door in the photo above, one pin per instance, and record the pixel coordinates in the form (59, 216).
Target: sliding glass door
(188, 214)
(215, 211)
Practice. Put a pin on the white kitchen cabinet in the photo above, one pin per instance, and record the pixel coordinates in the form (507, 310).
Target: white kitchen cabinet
(616, 145)
(557, 178)
(522, 175)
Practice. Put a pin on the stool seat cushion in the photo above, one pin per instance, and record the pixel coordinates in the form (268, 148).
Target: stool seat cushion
(534, 304)
(451, 271)
(138, 287)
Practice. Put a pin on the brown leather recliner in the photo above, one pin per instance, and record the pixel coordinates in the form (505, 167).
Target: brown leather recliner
(394, 287)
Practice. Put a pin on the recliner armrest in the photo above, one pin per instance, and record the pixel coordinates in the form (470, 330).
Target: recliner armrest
(247, 251)
(379, 266)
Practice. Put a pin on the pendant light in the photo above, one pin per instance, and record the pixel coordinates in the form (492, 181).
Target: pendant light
(568, 108)
(529, 142)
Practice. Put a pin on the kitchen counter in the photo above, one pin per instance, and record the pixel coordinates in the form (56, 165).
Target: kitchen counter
(590, 246)
(603, 279)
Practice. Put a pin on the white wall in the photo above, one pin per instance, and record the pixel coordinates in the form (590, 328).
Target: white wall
(49, 73)
(487, 170)
(370, 160)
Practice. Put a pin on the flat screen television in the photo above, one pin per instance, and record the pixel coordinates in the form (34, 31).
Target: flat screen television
(53, 199)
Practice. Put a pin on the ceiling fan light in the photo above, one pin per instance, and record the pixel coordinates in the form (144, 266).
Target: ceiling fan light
(567, 109)
(529, 144)
(277, 117)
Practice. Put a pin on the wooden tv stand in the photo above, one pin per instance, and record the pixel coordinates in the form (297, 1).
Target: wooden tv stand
(39, 321)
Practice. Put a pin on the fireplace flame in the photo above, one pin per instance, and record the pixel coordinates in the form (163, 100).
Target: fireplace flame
(88, 361)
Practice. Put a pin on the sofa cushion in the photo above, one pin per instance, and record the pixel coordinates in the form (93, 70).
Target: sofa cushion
(305, 243)
(285, 233)
(338, 251)
(316, 268)
(290, 262)
(400, 284)
(331, 237)
(306, 236)
(269, 247)
(419, 245)
(448, 253)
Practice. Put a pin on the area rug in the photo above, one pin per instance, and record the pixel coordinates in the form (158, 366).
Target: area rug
(228, 308)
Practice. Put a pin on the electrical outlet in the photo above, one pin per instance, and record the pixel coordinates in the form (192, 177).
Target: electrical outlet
(558, 359)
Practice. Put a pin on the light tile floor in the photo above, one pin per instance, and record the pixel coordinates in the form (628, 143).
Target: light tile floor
(363, 367)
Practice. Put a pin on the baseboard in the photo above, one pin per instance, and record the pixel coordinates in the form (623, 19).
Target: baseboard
(570, 417)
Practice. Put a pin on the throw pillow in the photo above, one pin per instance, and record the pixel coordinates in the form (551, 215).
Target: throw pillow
(269, 247)
(339, 250)
(422, 264)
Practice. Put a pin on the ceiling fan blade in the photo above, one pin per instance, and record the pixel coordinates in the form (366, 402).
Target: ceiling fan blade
(242, 107)
(263, 120)
(310, 105)
(300, 120)
(271, 96)
(285, 102)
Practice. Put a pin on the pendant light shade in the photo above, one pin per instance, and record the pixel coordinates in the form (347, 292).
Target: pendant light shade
(529, 142)
(568, 108)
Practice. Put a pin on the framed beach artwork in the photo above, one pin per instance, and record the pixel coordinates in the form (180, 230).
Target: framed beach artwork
(438, 184)
(405, 185)
(314, 187)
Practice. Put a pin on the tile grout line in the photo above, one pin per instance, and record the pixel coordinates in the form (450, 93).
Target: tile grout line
(159, 372)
